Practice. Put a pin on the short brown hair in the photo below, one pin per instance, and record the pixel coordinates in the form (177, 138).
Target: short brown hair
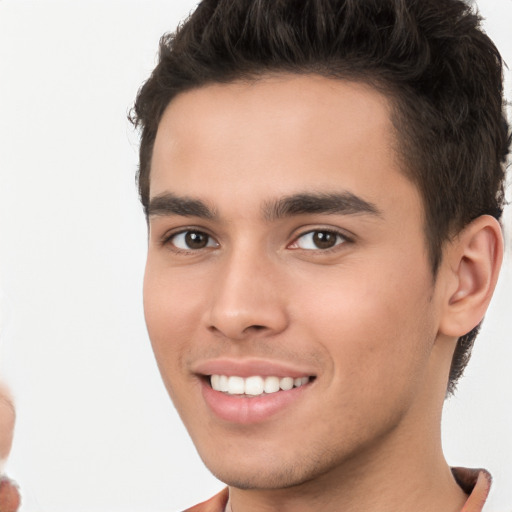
(430, 57)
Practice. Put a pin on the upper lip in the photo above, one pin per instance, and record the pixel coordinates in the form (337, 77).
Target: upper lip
(249, 367)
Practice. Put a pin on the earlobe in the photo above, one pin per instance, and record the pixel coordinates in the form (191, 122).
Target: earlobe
(475, 258)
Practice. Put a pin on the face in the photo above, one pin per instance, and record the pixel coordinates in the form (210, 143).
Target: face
(288, 294)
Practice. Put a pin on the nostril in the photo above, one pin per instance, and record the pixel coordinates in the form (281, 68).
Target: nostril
(238, 321)
(254, 328)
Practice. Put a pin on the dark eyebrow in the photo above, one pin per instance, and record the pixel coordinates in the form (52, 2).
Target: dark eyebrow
(344, 203)
(171, 204)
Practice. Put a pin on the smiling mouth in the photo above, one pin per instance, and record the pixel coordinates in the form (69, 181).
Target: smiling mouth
(255, 385)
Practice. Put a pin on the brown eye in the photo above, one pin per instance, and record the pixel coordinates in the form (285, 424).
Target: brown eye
(192, 240)
(195, 240)
(319, 239)
(324, 239)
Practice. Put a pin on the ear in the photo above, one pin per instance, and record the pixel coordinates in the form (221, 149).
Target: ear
(472, 262)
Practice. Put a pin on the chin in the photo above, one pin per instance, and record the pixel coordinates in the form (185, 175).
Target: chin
(252, 480)
(269, 473)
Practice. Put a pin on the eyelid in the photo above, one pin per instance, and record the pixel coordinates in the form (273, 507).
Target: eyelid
(335, 231)
(167, 237)
(169, 233)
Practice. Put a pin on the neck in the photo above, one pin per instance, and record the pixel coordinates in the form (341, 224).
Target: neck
(399, 474)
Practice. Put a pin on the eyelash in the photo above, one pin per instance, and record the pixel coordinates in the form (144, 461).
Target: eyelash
(169, 238)
(341, 239)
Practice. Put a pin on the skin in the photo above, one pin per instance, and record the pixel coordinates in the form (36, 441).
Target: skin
(7, 418)
(365, 317)
(9, 495)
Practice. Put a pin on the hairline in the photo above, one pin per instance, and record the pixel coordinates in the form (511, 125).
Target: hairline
(365, 77)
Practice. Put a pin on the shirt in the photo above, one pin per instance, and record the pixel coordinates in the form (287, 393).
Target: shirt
(475, 482)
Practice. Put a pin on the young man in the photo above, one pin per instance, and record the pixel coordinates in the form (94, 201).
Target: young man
(323, 183)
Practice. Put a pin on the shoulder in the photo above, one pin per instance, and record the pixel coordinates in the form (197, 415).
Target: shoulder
(215, 504)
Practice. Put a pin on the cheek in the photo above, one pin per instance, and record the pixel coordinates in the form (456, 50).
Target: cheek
(170, 315)
(170, 323)
(378, 336)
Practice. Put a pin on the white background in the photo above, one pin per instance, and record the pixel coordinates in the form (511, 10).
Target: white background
(95, 430)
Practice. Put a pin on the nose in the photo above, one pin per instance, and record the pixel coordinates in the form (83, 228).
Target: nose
(248, 298)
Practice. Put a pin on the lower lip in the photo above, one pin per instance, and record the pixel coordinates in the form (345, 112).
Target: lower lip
(245, 410)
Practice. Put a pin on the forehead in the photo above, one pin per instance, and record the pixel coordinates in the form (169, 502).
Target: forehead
(278, 135)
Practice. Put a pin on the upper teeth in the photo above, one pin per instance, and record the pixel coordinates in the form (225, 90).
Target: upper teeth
(255, 385)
